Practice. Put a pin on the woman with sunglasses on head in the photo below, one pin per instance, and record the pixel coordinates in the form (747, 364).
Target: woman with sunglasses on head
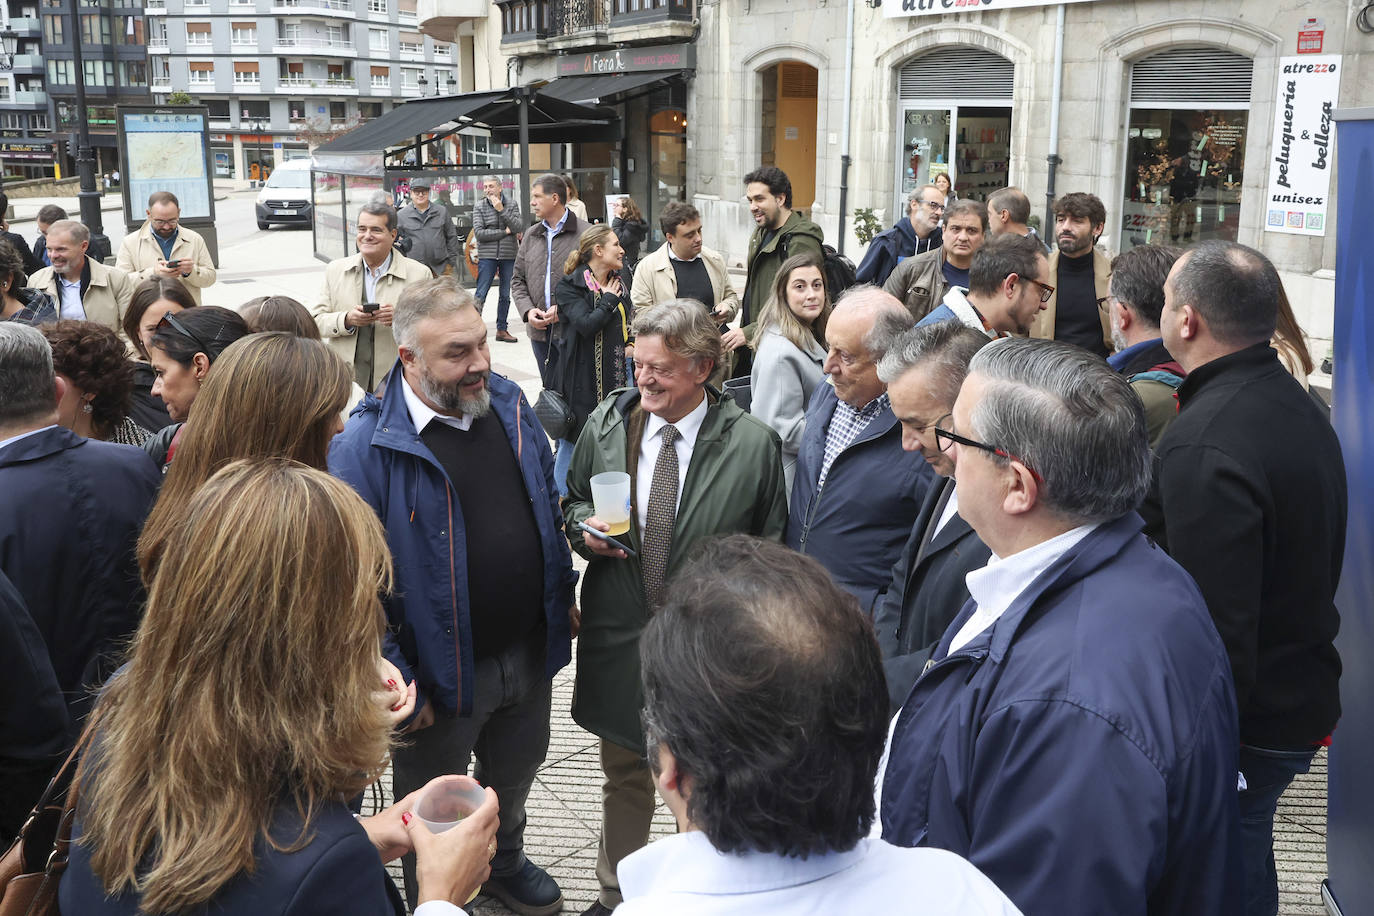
(151, 300)
(221, 755)
(182, 349)
(789, 350)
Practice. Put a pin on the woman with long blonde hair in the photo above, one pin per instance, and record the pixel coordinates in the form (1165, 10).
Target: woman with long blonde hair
(222, 753)
(595, 313)
(789, 349)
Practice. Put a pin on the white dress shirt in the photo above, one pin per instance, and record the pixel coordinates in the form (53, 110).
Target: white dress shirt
(421, 413)
(70, 294)
(951, 507)
(439, 908)
(370, 277)
(649, 445)
(684, 875)
(1002, 581)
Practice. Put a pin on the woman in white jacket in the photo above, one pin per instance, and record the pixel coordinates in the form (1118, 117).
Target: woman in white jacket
(789, 349)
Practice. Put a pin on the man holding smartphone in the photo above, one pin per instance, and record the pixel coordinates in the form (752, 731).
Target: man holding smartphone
(359, 293)
(162, 247)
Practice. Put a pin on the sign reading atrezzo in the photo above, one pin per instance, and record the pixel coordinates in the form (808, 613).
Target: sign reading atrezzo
(1300, 157)
(897, 9)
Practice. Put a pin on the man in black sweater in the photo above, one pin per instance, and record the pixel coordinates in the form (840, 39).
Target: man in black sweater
(1249, 497)
(1077, 311)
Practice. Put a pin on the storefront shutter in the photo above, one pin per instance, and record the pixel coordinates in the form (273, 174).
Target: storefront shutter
(956, 73)
(1186, 76)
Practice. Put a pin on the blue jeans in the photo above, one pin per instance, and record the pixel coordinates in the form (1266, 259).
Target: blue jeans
(1267, 774)
(487, 268)
(541, 356)
(561, 460)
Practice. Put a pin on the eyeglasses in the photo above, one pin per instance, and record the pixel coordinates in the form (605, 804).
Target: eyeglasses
(935, 426)
(165, 222)
(169, 320)
(944, 439)
(935, 206)
(1046, 291)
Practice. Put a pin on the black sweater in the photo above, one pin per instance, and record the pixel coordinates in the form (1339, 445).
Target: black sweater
(1249, 497)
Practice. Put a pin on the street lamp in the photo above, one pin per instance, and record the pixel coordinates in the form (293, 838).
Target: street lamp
(424, 84)
(9, 39)
(88, 196)
(452, 84)
(258, 128)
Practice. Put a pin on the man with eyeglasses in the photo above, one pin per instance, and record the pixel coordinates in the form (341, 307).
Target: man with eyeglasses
(82, 287)
(1074, 735)
(923, 371)
(922, 282)
(919, 231)
(1007, 289)
(699, 468)
(162, 247)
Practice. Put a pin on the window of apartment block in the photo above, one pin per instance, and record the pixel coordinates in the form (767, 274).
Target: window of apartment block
(99, 72)
(244, 33)
(291, 33)
(295, 109)
(55, 30)
(412, 43)
(406, 8)
(242, 2)
(377, 6)
(442, 50)
(369, 110)
(197, 33)
(293, 71)
(129, 30)
(133, 73)
(39, 121)
(218, 109)
(246, 72)
(61, 71)
(5, 92)
(334, 34)
(202, 73)
(256, 110)
(338, 111)
(11, 121)
(410, 77)
(381, 77)
(377, 40)
(95, 29)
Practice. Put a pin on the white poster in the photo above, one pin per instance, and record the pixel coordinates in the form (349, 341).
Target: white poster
(900, 9)
(1300, 157)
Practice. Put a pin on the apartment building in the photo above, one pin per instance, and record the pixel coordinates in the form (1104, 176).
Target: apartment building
(25, 124)
(277, 73)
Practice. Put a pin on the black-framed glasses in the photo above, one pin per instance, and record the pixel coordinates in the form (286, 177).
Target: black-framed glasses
(944, 439)
(934, 206)
(1046, 291)
(169, 320)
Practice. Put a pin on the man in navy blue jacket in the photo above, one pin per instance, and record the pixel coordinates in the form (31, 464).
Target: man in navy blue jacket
(914, 233)
(856, 492)
(1075, 733)
(70, 513)
(460, 472)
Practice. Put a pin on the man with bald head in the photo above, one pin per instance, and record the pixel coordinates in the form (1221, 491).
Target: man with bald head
(856, 492)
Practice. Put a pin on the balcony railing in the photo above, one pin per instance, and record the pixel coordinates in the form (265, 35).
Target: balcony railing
(626, 12)
(342, 5)
(30, 97)
(323, 44)
(157, 44)
(576, 17)
(535, 20)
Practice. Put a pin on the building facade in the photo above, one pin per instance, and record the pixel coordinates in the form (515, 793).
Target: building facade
(25, 122)
(278, 75)
(1165, 111)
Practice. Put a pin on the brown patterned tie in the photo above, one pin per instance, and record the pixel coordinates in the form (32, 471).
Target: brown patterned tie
(658, 519)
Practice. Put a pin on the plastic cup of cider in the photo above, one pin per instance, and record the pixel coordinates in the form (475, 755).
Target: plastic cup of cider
(445, 801)
(611, 498)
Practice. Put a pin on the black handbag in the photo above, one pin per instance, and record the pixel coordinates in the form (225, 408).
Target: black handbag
(554, 414)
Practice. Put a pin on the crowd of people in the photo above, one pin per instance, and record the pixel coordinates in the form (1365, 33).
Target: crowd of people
(974, 587)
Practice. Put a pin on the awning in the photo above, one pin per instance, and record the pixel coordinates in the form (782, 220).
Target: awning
(550, 120)
(602, 86)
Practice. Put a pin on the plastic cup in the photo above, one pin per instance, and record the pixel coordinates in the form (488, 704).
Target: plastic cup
(611, 497)
(447, 800)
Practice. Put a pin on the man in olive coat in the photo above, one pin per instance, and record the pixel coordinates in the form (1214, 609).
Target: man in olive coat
(700, 467)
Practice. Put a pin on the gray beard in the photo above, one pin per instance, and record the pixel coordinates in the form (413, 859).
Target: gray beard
(450, 397)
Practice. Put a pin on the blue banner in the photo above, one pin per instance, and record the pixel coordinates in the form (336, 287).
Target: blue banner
(1350, 791)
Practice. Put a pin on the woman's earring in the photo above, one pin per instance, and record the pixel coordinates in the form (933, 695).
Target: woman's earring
(86, 406)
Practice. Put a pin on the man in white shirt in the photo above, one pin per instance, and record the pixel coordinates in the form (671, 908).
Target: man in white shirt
(764, 723)
(700, 468)
(1075, 732)
(923, 370)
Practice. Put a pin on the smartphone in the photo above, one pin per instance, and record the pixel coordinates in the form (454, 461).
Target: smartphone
(174, 264)
(606, 537)
(371, 306)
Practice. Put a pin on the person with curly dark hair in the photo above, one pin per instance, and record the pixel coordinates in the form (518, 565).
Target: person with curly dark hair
(18, 302)
(764, 720)
(98, 380)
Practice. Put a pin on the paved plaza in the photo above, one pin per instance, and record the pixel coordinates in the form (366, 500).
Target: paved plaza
(565, 803)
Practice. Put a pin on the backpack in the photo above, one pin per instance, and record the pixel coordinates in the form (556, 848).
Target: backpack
(839, 270)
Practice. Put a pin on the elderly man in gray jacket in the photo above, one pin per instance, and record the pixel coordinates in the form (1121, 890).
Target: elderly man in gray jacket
(433, 238)
(496, 220)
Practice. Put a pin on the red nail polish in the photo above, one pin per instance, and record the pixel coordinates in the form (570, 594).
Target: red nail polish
(390, 683)
(395, 709)
(405, 818)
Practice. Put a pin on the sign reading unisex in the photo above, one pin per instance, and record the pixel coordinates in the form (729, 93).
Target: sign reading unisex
(1301, 161)
(898, 9)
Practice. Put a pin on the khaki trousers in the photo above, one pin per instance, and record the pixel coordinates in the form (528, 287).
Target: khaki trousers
(627, 811)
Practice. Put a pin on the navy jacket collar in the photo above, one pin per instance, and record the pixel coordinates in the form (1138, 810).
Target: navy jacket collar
(396, 431)
(40, 445)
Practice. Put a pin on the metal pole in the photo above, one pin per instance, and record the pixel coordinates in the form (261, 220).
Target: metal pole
(522, 101)
(1056, 95)
(848, 114)
(88, 197)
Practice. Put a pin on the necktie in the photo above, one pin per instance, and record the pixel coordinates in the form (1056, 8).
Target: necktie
(658, 519)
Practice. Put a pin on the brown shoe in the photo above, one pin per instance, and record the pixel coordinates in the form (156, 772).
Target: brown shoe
(506, 337)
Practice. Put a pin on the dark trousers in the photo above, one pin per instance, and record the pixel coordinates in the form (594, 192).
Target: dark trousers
(21, 785)
(508, 732)
(487, 269)
(1268, 773)
(541, 356)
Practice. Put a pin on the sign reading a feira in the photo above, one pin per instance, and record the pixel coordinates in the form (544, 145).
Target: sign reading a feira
(898, 9)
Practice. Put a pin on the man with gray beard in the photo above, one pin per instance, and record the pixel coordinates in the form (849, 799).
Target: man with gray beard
(458, 469)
